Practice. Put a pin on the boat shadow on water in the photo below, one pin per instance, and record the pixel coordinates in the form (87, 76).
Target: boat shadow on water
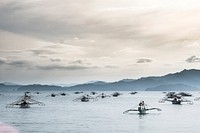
(144, 114)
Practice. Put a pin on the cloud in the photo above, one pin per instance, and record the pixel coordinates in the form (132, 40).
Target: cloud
(144, 60)
(2, 61)
(50, 35)
(63, 67)
(193, 59)
(77, 62)
(25, 64)
(59, 49)
(44, 20)
(72, 67)
(80, 62)
(55, 59)
(22, 64)
(110, 66)
(14, 41)
(43, 52)
(15, 63)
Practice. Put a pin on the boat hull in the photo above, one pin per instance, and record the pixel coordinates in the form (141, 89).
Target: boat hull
(142, 110)
(25, 106)
(176, 102)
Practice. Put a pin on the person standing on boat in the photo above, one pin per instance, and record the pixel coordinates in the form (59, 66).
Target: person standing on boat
(175, 99)
(142, 103)
(141, 106)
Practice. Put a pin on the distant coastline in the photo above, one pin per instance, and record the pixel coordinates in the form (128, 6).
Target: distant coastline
(186, 80)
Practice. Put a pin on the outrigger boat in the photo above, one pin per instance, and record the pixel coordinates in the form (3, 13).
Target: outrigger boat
(133, 93)
(24, 102)
(93, 93)
(84, 98)
(62, 94)
(103, 95)
(116, 94)
(142, 109)
(59, 94)
(176, 100)
(78, 92)
(174, 94)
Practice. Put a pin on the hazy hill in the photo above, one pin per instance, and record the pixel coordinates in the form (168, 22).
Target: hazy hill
(184, 80)
(38, 87)
(4, 87)
(173, 87)
(188, 77)
(137, 85)
(9, 83)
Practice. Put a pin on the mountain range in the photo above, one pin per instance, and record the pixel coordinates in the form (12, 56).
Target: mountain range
(186, 80)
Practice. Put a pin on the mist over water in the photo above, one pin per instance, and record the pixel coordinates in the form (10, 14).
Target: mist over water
(62, 115)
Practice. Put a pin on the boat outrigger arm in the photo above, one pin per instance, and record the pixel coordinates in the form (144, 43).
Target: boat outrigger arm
(142, 110)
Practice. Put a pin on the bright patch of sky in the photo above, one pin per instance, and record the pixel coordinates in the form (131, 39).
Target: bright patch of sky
(68, 41)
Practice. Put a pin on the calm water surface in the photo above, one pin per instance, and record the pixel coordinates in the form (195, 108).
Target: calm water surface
(62, 115)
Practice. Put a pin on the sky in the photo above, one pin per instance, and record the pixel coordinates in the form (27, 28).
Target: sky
(75, 41)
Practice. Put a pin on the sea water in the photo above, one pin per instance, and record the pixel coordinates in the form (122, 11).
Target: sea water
(63, 115)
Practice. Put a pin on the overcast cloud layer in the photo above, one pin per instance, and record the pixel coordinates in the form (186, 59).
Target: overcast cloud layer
(49, 41)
